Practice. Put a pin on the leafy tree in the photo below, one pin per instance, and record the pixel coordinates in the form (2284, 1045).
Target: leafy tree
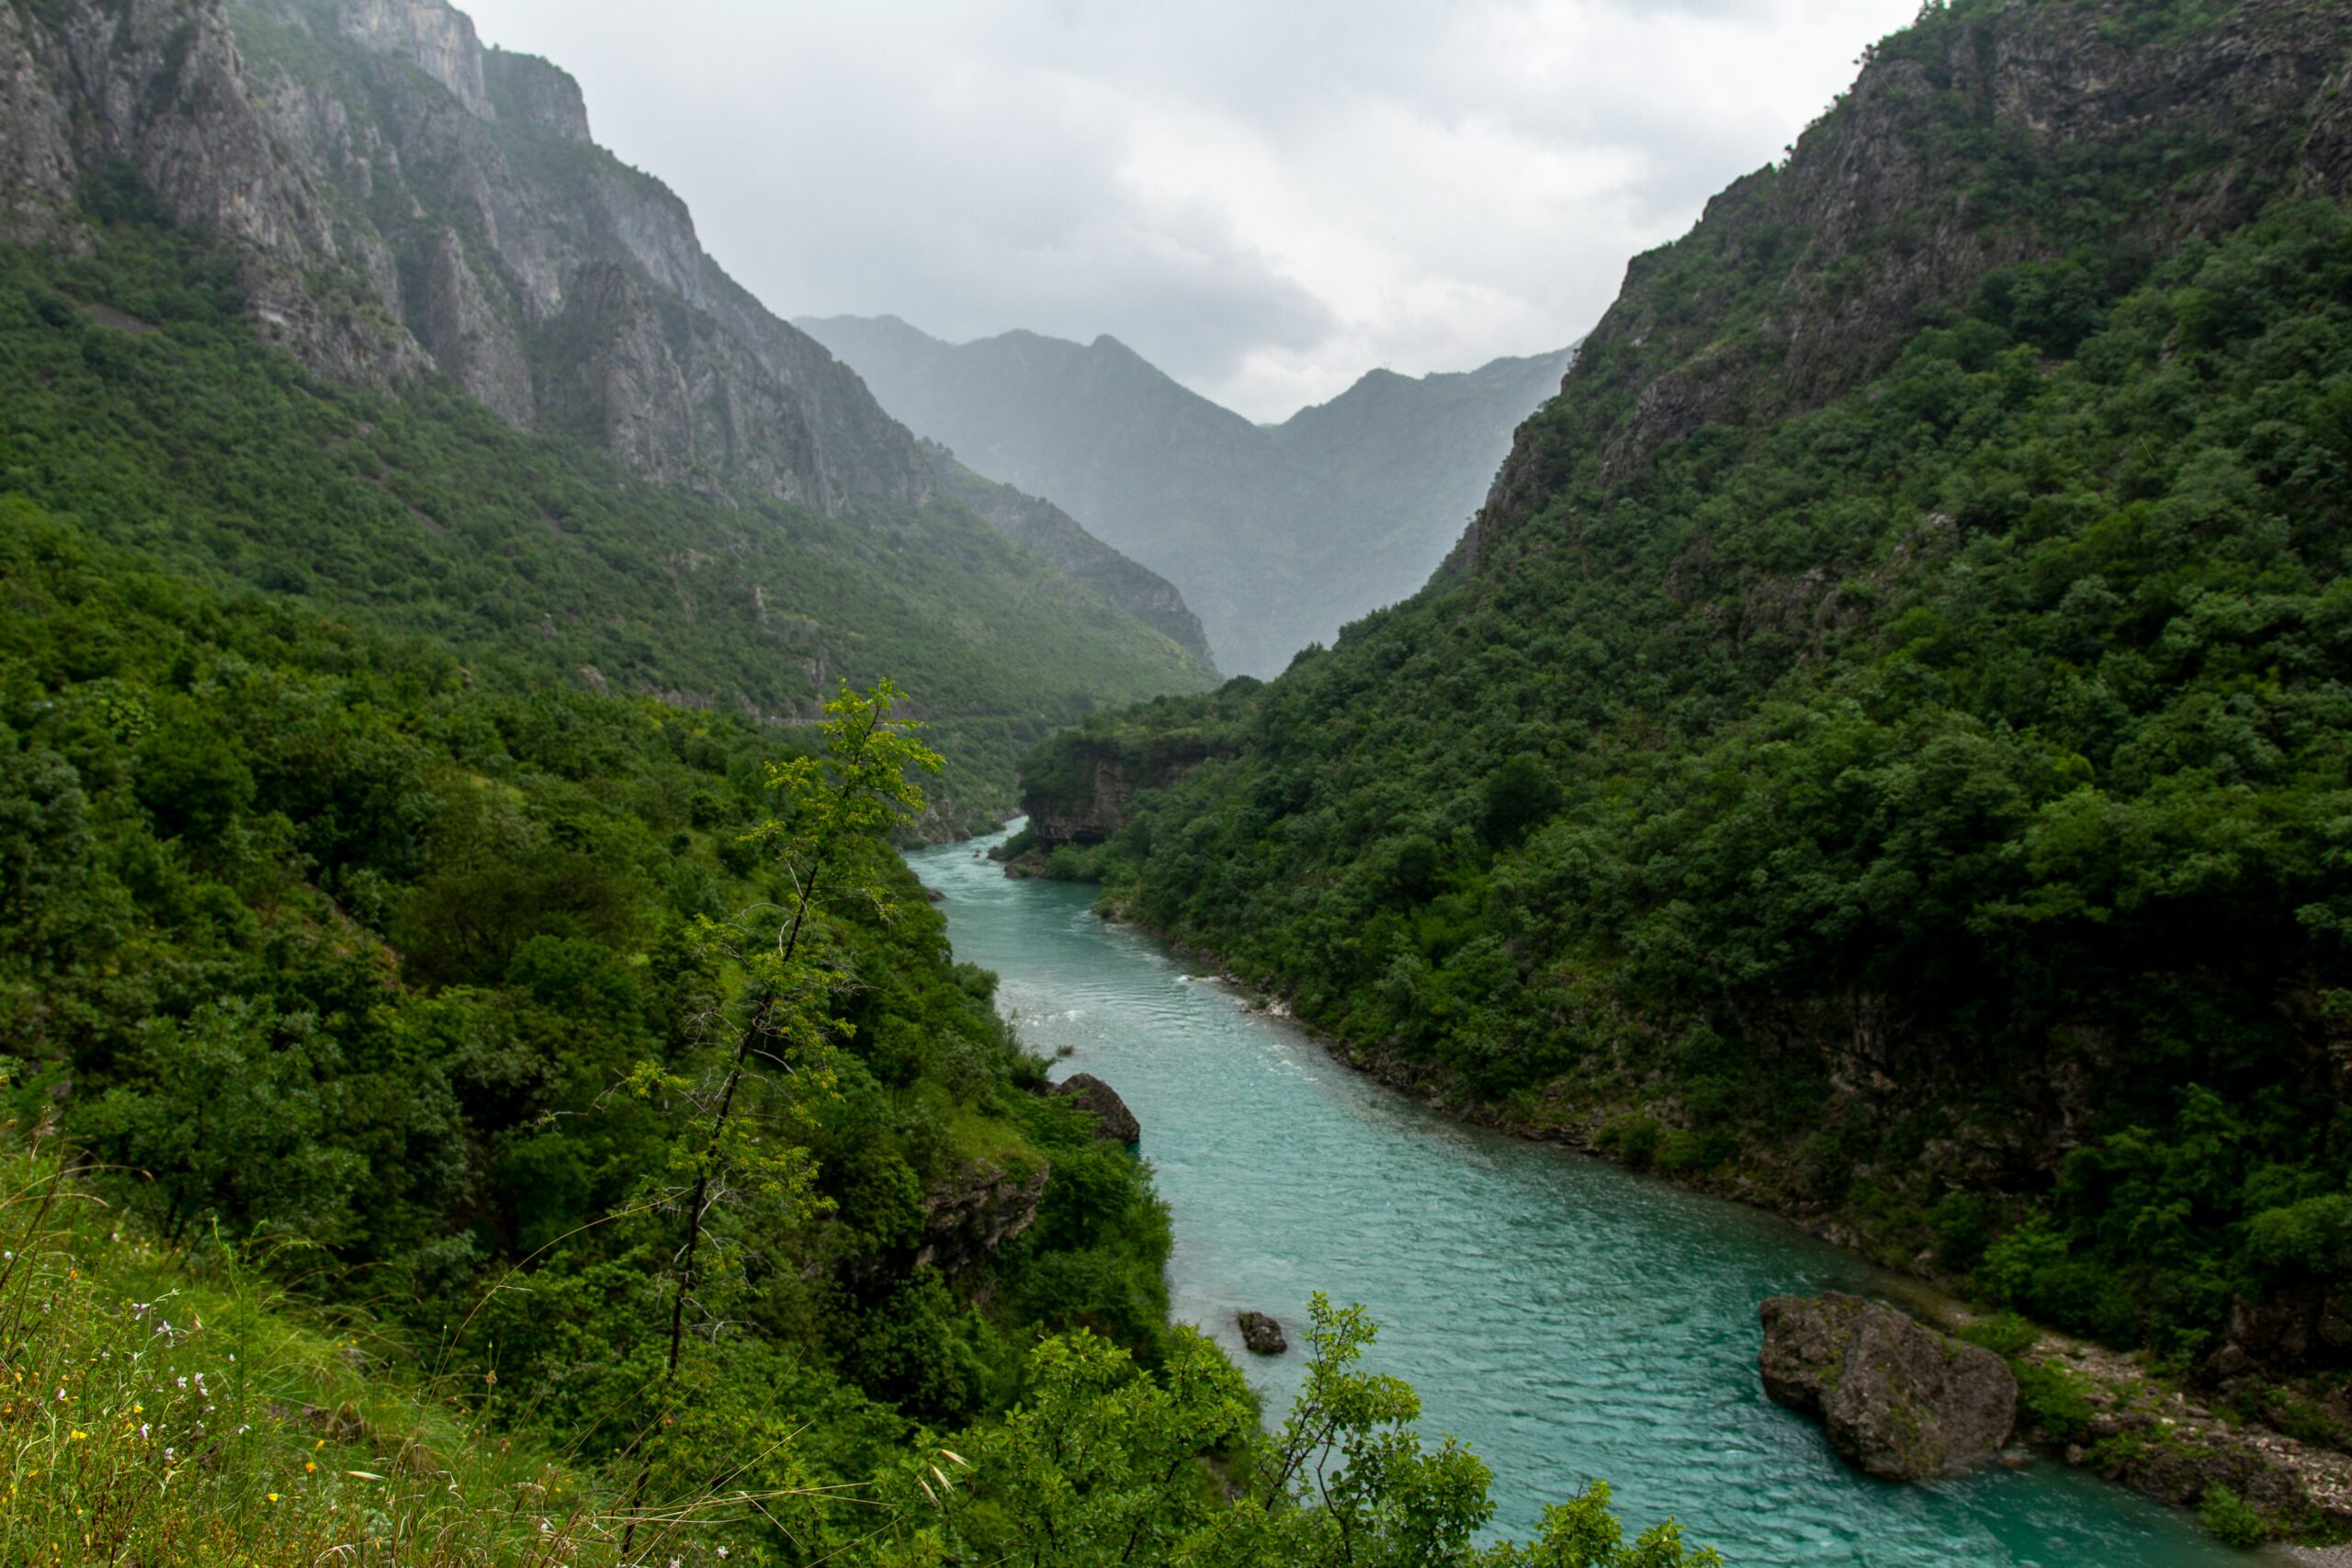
(1103, 1464)
(842, 809)
(1520, 795)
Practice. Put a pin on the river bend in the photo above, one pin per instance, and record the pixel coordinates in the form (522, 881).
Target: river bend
(1564, 1318)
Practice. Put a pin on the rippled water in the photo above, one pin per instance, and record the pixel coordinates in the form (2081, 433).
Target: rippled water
(1564, 1317)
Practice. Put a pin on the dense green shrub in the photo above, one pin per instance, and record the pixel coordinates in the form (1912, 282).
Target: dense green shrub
(2230, 1519)
(325, 946)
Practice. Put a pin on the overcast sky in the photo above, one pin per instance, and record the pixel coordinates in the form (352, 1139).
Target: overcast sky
(1264, 197)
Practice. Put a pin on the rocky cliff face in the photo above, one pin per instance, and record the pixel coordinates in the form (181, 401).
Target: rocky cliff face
(555, 283)
(437, 39)
(1904, 196)
(159, 88)
(403, 197)
(526, 90)
(1084, 796)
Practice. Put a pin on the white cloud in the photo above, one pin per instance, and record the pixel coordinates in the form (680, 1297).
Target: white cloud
(1266, 200)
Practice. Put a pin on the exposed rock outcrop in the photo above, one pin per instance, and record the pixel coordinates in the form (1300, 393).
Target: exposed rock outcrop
(528, 90)
(1898, 1399)
(437, 39)
(1113, 1123)
(2117, 1420)
(1260, 1334)
(975, 1211)
(402, 198)
(1083, 795)
(36, 167)
(566, 290)
(159, 88)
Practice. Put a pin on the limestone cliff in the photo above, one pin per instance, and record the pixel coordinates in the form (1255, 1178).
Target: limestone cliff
(559, 287)
(438, 40)
(528, 90)
(158, 89)
(404, 198)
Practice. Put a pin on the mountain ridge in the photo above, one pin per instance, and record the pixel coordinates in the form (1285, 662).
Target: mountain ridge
(1046, 528)
(1277, 535)
(524, 413)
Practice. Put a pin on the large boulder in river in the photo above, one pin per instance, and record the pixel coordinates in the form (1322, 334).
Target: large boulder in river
(1898, 1399)
(1113, 1123)
(1261, 1334)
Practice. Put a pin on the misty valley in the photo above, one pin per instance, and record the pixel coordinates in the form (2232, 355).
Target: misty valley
(1628, 875)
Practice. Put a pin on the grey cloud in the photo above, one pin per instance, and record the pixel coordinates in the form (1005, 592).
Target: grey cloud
(973, 166)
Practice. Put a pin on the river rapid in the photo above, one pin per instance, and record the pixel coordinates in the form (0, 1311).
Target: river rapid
(1564, 1317)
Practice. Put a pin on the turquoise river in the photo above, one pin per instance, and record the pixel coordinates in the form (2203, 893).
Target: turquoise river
(1564, 1317)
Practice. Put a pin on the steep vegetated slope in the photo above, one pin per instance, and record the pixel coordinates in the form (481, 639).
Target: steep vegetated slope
(1055, 535)
(604, 1079)
(316, 943)
(649, 484)
(1882, 752)
(1277, 536)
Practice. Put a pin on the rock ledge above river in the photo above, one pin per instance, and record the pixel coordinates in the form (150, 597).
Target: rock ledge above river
(1898, 1399)
(1113, 1123)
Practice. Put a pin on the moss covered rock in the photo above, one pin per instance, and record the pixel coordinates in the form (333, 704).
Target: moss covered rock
(1898, 1399)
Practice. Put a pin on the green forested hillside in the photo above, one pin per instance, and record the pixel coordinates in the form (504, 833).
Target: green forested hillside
(134, 397)
(326, 943)
(1886, 751)
(534, 1126)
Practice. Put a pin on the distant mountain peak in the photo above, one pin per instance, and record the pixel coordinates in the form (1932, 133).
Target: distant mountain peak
(1277, 535)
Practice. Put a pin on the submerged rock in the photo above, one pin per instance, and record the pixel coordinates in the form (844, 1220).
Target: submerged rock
(1113, 1123)
(1261, 1333)
(1898, 1399)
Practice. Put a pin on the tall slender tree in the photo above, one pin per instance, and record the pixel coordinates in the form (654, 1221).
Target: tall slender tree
(829, 842)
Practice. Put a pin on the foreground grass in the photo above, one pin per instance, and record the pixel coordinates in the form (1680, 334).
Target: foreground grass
(155, 1408)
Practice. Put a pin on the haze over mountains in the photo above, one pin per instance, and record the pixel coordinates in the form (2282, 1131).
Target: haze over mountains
(1881, 751)
(1277, 536)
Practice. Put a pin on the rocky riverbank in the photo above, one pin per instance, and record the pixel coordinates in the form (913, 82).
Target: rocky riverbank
(2105, 1410)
